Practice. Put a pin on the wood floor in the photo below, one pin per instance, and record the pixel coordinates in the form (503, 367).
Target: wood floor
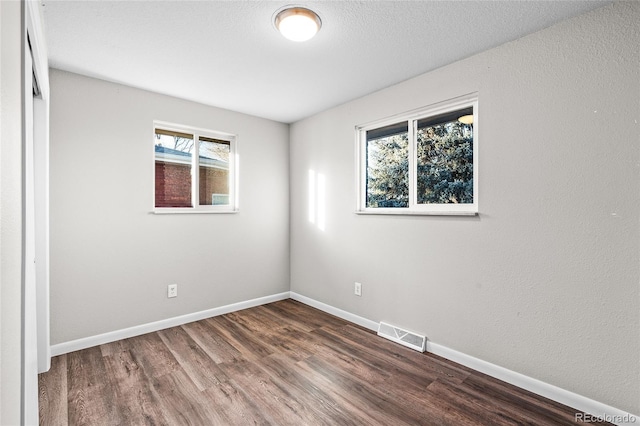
(279, 364)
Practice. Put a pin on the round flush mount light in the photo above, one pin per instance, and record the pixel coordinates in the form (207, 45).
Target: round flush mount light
(466, 119)
(297, 23)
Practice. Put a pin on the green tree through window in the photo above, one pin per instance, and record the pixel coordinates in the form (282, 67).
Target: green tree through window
(445, 163)
(388, 171)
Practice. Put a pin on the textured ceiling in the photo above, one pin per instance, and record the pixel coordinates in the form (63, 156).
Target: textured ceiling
(228, 54)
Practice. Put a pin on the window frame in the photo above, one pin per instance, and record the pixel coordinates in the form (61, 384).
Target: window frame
(412, 117)
(197, 133)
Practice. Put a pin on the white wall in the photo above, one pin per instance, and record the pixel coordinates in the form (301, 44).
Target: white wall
(10, 213)
(111, 260)
(545, 281)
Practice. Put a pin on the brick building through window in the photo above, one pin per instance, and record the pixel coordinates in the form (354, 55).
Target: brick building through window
(173, 179)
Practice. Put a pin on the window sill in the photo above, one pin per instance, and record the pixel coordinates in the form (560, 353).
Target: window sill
(191, 211)
(396, 212)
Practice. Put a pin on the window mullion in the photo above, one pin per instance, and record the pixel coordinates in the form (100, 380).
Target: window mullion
(362, 178)
(232, 177)
(195, 172)
(412, 132)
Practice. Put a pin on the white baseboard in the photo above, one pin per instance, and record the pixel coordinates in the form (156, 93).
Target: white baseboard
(596, 409)
(112, 336)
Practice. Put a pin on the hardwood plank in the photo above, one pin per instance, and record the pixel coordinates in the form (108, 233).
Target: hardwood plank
(89, 391)
(293, 342)
(195, 362)
(152, 355)
(363, 402)
(132, 392)
(309, 315)
(254, 320)
(215, 345)
(250, 345)
(114, 348)
(278, 406)
(321, 405)
(52, 394)
(234, 404)
(303, 316)
(181, 403)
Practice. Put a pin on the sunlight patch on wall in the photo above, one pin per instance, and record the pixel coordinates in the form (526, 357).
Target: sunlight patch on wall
(317, 199)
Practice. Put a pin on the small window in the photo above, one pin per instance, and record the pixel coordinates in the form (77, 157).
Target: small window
(178, 187)
(424, 162)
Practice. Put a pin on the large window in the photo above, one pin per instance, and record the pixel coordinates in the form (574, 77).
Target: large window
(185, 182)
(423, 162)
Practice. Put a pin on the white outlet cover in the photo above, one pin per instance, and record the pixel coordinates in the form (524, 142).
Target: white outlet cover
(172, 290)
(358, 289)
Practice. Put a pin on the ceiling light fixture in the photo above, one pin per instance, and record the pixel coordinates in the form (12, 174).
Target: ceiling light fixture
(297, 23)
(466, 119)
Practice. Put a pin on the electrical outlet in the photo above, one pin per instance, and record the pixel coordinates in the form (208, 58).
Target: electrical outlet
(357, 289)
(172, 290)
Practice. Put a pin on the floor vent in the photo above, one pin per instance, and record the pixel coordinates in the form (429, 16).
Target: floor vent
(404, 337)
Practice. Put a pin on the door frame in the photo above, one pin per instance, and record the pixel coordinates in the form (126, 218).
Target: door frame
(36, 348)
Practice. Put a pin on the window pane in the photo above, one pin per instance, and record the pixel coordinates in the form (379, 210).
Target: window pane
(173, 169)
(388, 166)
(445, 159)
(214, 171)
